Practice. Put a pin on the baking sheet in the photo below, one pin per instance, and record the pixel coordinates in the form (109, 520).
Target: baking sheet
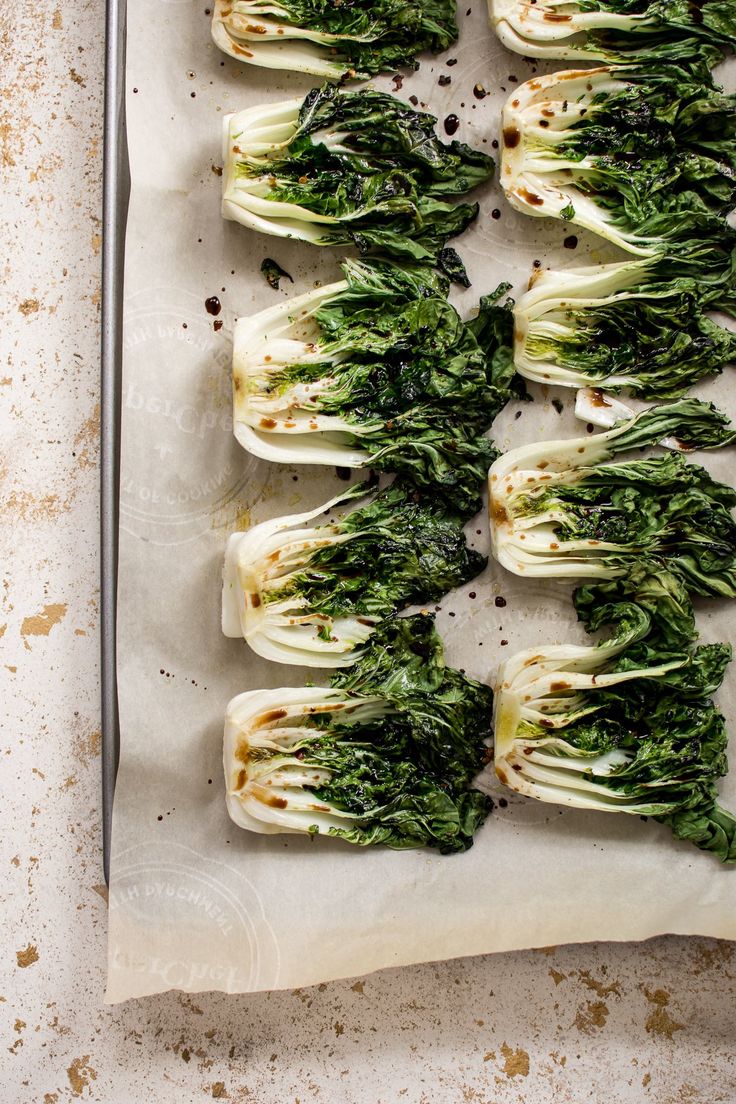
(195, 903)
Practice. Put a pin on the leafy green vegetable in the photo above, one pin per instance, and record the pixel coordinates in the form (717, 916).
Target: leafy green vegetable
(645, 157)
(626, 726)
(568, 509)
(377, 370)
(387, 755)
(315, 594)
(352, 38)
(351, 168)
(273, 273)
(617, 30)
(627, 326)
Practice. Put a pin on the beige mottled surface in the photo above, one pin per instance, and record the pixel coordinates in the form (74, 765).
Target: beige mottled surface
(602, 1023)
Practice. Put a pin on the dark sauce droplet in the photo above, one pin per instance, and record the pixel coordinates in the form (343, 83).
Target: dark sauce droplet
(479, 92)
(342, 473)
(212, 305)
(444, 79)
(500, 602)
(571, 242)
(451, 124)
(217, 326)
(495, 213)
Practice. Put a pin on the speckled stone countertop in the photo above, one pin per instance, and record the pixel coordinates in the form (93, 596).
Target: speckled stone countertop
(605, 1023)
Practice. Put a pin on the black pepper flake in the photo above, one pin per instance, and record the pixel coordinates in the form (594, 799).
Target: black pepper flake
(502, 803)
(504, 643)
(513, 79)
(451, 614)
(472, 594)
(444, 79)
(451, 61)
(414, 100)
(517, 415)
(558, 405)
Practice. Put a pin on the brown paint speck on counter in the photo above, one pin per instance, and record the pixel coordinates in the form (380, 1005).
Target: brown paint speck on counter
(27, 956)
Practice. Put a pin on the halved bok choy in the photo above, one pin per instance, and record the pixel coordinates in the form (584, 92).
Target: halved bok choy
(376, 370)
(386, 755)
(627, 725)
(314, 594)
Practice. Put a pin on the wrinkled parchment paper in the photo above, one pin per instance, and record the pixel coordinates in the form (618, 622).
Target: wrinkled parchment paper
(196, 903)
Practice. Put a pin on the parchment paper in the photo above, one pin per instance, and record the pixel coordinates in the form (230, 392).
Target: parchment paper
(196, 903)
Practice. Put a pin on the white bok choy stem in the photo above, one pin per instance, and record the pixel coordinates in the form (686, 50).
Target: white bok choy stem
(276, 422)
(268, 783)
(253, 137)
(260, 566)
(536, 180)
(542, 316)
(555, 28)
(258, 32)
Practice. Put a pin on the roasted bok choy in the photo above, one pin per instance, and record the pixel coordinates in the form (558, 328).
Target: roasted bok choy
(616, 30)
(570, 509)
(636, 326)
(335, 40)
(376, 370)
(351, 168)
(387, 754)
(642, 157)
(314, 594)
(627, 725)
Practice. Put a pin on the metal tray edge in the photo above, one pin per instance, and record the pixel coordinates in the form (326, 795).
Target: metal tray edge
(116, 189)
